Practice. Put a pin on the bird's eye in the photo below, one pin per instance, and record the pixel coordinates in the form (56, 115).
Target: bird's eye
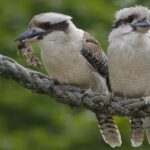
(47, 25)
(130, 19)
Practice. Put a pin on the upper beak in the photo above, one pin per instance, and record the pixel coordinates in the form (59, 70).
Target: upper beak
(141, 24)
(30, 34)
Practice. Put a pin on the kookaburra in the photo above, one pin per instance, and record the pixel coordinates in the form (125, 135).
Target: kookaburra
(129, 61)
(72, 56)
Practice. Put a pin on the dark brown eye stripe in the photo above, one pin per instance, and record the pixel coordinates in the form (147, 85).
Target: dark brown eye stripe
(129, 19)
(61, 26)
(117, 23)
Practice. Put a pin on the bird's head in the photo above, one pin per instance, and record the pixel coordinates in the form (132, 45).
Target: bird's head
(132, 20)
(43, 24)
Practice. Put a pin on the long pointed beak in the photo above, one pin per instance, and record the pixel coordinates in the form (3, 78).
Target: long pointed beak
(29, 34)
(141, 24)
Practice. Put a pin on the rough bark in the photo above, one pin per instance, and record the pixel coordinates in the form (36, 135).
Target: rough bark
(71, 95)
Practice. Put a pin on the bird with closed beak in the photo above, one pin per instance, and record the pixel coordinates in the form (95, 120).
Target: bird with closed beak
(72, 56)
(129, 62)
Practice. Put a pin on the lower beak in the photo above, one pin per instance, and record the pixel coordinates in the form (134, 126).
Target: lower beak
(29, 34)
(141, 24)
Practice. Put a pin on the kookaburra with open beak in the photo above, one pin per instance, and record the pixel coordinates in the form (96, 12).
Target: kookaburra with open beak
(72, 56)
(129, 62)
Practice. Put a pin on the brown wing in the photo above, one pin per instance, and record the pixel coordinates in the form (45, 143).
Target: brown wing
(95, 56)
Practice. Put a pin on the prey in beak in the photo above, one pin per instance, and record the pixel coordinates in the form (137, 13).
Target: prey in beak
(24, 47)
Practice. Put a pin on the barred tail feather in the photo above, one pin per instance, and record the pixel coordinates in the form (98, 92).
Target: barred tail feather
(148, 134)
(147, 127)
(137, 132)
(109, 130)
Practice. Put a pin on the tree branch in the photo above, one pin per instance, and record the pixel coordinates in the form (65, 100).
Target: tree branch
(71, 95)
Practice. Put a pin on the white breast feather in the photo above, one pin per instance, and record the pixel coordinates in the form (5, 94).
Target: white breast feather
(129, 65)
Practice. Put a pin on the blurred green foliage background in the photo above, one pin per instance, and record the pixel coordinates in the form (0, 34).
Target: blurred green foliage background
(30, 121)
